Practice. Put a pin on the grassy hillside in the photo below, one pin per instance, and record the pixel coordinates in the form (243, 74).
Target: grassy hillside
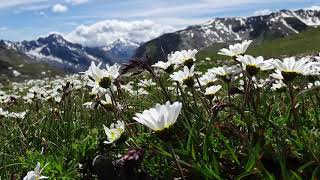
(304, 43)
(28, 68)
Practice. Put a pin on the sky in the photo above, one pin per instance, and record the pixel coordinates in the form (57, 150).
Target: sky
(92, 22)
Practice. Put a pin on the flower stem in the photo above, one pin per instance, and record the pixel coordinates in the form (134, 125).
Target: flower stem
(163, 89)
(293, 105)
(176, 161)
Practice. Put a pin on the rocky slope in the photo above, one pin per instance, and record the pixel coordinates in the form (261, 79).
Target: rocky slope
(229, 30)
(70, 57)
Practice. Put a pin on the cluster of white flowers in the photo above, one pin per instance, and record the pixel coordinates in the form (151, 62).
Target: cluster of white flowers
(36, 90)
(146, 83)
(285, 71)
(41, 89)
(177, 59)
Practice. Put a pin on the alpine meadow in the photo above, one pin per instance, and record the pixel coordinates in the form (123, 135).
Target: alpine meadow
(233, 98)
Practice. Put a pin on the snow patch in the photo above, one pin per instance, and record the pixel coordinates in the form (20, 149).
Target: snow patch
(38, 55)
(16, 73)
(288, 26)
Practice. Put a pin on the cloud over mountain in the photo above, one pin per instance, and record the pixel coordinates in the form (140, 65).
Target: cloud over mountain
(106, 33)
(76, 2)
(59, 8)
(314, 8)
(262, 12)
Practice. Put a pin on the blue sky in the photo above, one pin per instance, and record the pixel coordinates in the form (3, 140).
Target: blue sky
(29, 19)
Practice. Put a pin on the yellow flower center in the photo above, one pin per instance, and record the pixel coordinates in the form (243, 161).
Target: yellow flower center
(188, 81)
(105, 82)
(289, 75)
(252, 69)
(188, 62)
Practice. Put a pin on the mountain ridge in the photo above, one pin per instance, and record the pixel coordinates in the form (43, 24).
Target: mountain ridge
(229, 30)
(56, 51)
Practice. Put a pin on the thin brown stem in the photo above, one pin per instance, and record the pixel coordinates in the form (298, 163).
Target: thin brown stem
(176, 161)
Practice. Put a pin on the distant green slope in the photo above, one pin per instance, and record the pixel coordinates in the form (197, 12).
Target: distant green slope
(305, 43)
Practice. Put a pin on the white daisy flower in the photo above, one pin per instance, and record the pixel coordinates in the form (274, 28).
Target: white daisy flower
(114, 70)
(211, 91)
(278, 85)
(107, 101)
(98, 90)
(128, 87)
(253, 65)
(146, 83)
(184, 77)
(160, 117)
(184, 57)
(208, 79)
(290, 68)
(102, 77)
(170, 65)
(114, 132)
(20, 115)
(3, 113)
(91, 69)
(317, 57)
(36, 174)
(166, 66)
(236, 49)
(310, 85)
(277, 75)
(142, 92)
(90, 105)
(226, 73)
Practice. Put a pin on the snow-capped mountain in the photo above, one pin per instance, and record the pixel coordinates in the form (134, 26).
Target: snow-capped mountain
(58, 52)
(18, 66)
(229, 30)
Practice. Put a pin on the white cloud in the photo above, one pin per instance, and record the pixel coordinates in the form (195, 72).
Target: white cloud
(36, 7)
(59, 8)
(77, 2)
(105, 33)
(42, 13)
(262, 12)
(13, 3)
(314, 8)
(193, 9)
(2, 28)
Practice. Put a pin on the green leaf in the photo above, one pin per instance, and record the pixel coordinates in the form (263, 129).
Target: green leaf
(253, 155)
(245, 174)
(231, 151)
(295, 176)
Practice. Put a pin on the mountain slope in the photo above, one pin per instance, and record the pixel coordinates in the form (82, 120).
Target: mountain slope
(302, 44)
(230, 30)
(70, 57)
(17, 66)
